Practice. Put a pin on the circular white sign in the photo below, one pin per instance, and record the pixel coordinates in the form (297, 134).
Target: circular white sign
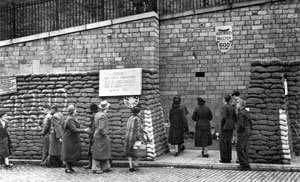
(131, 101)
(224, 46)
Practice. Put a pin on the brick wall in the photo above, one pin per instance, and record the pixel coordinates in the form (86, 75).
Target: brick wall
(188, 46)
(36, 91)
(122, 45)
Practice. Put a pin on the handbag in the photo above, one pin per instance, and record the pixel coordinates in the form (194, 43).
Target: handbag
(140, 149)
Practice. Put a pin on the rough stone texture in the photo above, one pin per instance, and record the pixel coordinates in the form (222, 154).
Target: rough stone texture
(271, 139)
(125, 45)
(25, 108)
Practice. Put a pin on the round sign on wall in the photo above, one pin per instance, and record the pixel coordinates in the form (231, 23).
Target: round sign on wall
(224, 46)
(131, 101)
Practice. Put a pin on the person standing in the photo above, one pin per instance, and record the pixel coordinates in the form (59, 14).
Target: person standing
(5, 143)
(202, 115)
(56, 132)
(94, 109)
(134, 132)
(71, 145)
(186, 125)
(226, 130)
(101, 150)
(45, 133)
(235, 99)
(177, 119)
(243, 132)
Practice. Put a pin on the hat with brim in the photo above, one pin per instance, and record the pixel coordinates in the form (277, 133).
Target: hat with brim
(104, 105)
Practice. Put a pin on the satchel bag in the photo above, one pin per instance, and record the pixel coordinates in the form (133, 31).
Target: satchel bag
(140, 149)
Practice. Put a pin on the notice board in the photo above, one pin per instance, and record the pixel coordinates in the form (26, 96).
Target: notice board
(8, 85)
(120, 82)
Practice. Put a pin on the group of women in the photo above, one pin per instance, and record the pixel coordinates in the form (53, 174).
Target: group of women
(234, 117)
(62, 144)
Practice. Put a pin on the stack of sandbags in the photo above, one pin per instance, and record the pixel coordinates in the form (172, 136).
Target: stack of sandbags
(292, 74)
(148, 127)
(268, 140)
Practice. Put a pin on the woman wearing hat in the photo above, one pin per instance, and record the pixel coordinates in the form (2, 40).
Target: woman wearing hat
(5, 143)
(101, 151)
(134, 132)
(202, 115)
(71, 150)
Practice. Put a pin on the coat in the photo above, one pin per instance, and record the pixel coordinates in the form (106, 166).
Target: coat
(202, 115)
(92, 130)
(5, 143)
(228, 117)
(134, 132)
(71, 145)
(177, 118)
(56, 132)
(243, 121)
(45, 133)
(101, 149)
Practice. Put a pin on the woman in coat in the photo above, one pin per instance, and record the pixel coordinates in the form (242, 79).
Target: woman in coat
(55, 137)
(71, 149)
(5, 143)
(226, 132)
(202, 115)
(101, 151)
(134, 132)
(177, 120)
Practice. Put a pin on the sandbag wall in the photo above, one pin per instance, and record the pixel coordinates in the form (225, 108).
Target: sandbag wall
(269, 140)
(292, 74)
(35, 91)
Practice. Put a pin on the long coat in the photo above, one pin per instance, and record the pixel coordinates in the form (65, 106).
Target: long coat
(101, 149)
(202, 115)
(56, 132)
(71, 145)
(5, 143)
(134, 132)
(45, 133)
(177, 118)
(92, 130)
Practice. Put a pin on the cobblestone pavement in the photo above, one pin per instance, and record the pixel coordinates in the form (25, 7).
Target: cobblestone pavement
(33, 173)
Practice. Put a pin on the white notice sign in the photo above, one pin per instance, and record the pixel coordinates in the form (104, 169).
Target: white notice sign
(8, 85)
(224, 33)
(120, 82)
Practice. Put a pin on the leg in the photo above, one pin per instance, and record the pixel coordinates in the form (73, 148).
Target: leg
(96, 166)
(105, 165)
(205, 152)
(177, 150)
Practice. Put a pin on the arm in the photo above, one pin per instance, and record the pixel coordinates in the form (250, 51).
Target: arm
(102, 124)
(210, 116)
(57, 120)
(240, 122)
(139, 128)
(46, 125)
(195, 115)
(71, 125)
(223, 115)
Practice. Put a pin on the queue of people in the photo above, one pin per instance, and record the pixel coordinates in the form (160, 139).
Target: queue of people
(235, 126)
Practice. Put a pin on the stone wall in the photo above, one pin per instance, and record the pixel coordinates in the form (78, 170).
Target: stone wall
(121, 44)
(188, 46)
(36, 91)
(269, 140)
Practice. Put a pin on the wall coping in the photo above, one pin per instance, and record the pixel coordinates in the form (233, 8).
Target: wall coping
(79, 28)
(216, 8)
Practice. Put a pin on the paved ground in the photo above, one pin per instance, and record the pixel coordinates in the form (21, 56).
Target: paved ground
(33, 173)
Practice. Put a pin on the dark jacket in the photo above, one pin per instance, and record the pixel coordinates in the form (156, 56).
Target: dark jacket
(202, 115)
(243, 120)
(5, 143)
(228, 117)
(71, 149)
(177, 118)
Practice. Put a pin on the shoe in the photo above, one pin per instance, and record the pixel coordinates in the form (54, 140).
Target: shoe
(176, 154)
(205, 155)
(224, 161)
(132, 169)
(8, 166)
(244, 168)
(97, 172)
(72, 170)
(107, 170)
(68, 171)
(42, 164)
(237, 161)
